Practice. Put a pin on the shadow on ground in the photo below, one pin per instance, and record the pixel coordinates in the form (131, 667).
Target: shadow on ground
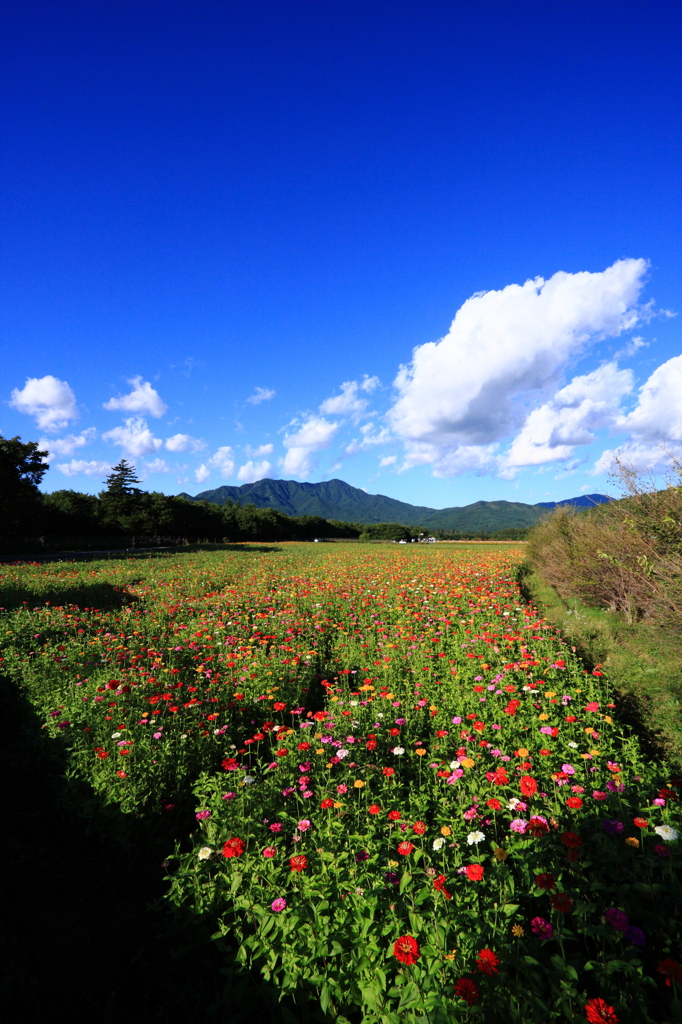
(83, 934)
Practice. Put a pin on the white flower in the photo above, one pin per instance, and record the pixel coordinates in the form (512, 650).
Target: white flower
(572, 743)
(475, 837)
(439, 843)
(359, 891)
(453, 765)
(399, 750)
(667, 833)
(115, 735)
(380, 715)
(353, 703)
(248, 779)
(512, 803)
(204, 853)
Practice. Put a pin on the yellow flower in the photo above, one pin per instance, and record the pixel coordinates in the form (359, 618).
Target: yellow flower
(585, 757)
(632, 841)
(446, 830)
(543, 717)
(451, 956)
(522, 752)
(518, 931)
(500, 853)
(393, 863)
(420, 751)
(466, 762)
(550, 693)
(338, 804)
(389, 696)
(607, 718)
(358, 784)
(594, 753)
(319, 750)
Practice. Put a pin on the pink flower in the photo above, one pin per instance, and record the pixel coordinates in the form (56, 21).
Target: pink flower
(275, 827)
(539, 926)
(518, 825)
(279, 904)
(598, 795)
(303, 825)
(343, 788)
(269, 851)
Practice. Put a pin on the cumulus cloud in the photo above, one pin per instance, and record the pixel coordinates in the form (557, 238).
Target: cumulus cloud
(370, 436)
(314, 435)
(78, 467)
(262, 449)
(252, 471)
(261, 395)
(67, 445)
(157, 466)
(553, 431)
(202, 473)
(388, 460)
(49, 400)
(350, 403)
(143, 398)
(466, 392)
(134, 438)
(184, 443)
(223, 460)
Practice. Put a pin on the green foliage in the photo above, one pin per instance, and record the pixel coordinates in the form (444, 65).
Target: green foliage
(22, 467)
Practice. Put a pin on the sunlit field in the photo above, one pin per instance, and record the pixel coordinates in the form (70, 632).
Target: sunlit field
(411, 798)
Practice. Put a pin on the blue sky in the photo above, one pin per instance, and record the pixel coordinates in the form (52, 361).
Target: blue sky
(432, 249)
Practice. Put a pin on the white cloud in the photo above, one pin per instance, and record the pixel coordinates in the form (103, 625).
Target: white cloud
(349, 402)
(202, 473)
(78, 467)
(223, 460)
(552, 431)
(135, 438)
(388, 460)
(262, 449)
(252, 471)
(314, 435)
(369, 384)
(157, 466)
(370, 436)
(67, 445)
(49, 400)
(143, 398)
(261, 395)
(658, 414)
(465, 393)
(184, 443)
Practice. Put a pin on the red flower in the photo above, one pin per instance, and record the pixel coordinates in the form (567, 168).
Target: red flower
(640, 822)
(528, 785)
(394, 815)
(319, 716)
(371, 744)
(474, 872)
(561, 902)
(388, 772)
(571, 840)
(441, 732)
(545, 752)
(304, 746)
(269, 851)
(101, 753)
(279, 706)
(574, 802)
(467, 990)
(671, 971)
(234, 847)
(374, 809)
(494, 805)
(298, 863)
(597, 1012)
(406, 949)
(545, 882)
(571, 718)
(405, 848)
(230, 764)
(439, 884)
(282, 753)
(487, 962)
(419, 827)
(538, 827)
(327, 802)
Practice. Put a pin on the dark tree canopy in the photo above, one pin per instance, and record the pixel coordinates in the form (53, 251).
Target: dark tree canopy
(122, 479)
(22, 467)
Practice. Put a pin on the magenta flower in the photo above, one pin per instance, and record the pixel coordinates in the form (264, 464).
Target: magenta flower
(542, 928)
(635, 935)
(304, 825)
(518, 825)
(617, 919)
(275, 827)
(279, 904)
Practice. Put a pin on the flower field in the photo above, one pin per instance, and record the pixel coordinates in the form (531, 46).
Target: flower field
(410, 798)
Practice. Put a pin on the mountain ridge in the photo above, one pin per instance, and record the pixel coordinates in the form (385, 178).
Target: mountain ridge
(336, 499)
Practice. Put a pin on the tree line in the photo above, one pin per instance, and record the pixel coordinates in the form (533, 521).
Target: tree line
(122, 513)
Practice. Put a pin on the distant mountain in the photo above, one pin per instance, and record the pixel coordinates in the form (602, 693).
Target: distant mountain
(584, 501)
(335, 499)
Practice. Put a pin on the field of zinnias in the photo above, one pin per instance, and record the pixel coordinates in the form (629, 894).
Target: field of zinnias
(411, 799)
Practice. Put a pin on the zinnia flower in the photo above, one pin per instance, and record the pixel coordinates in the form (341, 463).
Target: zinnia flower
(528, 785)
(612, 827)
(542, 928)
(279, 904)
(439, 843)
(299, 862)
(487, 962)
(204, 853)
(474, 872)
(467, 990)
(405, 848)
(419, 827)
(561, 902)
(234, 847)
(617, 919)
(475, 837)
(635, 935)
(545, 882)
(571, 840)
(671, 970)
(667, 833)
(574, 802)
(406, 949)
(269, 851)
(597, 1012)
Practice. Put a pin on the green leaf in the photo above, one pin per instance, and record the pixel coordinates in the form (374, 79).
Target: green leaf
(509, 908)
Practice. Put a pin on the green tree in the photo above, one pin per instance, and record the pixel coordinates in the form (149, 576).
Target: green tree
(122, 478)
(22, 467)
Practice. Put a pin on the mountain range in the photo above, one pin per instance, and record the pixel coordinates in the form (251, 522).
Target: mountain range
(335, 499)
